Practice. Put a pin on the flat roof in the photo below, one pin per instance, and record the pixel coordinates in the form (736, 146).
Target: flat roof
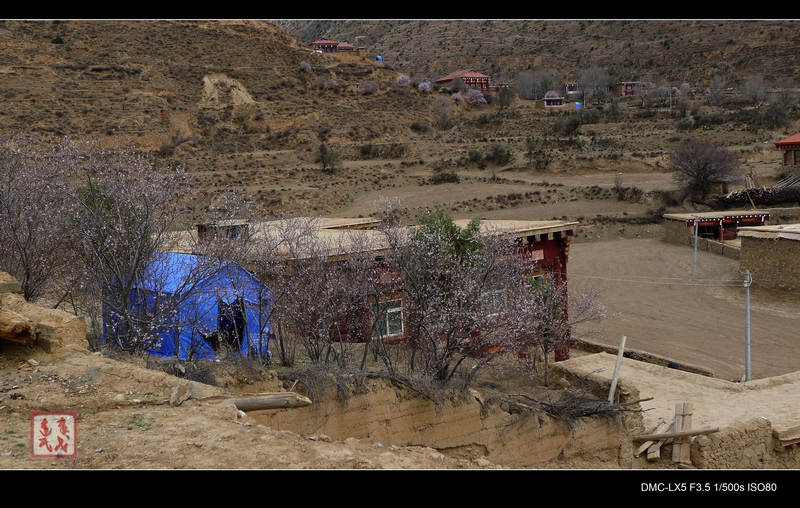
(715, 215)
(521, 227)
(340, 236)
(786, 231)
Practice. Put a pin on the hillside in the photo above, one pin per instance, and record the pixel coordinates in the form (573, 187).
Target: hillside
(673, 50)
(231, 100)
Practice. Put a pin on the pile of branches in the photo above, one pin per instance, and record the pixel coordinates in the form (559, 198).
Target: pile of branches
(571, 406)
(763, 196)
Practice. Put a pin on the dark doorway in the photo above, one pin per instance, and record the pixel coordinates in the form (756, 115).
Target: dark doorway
(231, 324)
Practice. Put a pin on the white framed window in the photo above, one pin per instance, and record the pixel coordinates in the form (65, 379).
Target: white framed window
(388, 319)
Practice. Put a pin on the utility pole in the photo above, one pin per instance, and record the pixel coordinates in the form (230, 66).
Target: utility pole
(746, 285)
(694, 266)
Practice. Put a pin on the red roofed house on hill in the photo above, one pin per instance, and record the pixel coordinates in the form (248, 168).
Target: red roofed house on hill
(324, 45)
(471, 78)
(791, 150)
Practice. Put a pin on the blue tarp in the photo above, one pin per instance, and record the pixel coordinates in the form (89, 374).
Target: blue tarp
(188, 295)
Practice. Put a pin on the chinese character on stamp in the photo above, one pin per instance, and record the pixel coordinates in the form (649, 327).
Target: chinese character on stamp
(54, 435)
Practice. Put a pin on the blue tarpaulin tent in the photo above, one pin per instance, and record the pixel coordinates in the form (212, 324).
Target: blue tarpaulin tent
(198, 306)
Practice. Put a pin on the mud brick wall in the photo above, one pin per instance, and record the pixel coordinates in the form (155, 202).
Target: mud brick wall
(675, 231)
(748, 445)
(774, 263)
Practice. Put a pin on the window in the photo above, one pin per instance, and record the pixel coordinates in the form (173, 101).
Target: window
(494, 297)
(389, 320)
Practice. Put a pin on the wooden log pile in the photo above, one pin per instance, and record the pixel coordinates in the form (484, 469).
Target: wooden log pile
(766, 196)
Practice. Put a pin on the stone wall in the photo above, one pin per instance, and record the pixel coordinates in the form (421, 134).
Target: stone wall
(466, 426)
(749, 445)
(677, 232)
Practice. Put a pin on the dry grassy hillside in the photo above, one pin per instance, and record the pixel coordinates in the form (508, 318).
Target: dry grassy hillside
(231, 101)
(692, 50)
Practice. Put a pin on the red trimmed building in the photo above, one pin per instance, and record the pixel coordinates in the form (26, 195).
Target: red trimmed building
(472, 79)
(791, 150)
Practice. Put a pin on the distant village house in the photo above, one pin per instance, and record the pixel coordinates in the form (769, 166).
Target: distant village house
(791, 150)
(472, 80)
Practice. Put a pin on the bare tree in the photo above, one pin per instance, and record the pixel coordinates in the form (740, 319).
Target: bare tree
(121, 210)
(699, 164)
(755, 90)
(593, 82)
(31, 218)
(715, 88)
(786, 87)
(525, 87)
(443, 112)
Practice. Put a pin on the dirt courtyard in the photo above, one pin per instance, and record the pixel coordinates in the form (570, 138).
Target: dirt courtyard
(649, 294)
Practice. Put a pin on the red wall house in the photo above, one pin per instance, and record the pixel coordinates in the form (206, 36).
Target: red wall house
(324, 45)
(471, 77)
(545, 242)
(791, 150)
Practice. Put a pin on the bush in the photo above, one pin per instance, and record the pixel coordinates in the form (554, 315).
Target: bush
(326, 83)
(368, 87)
(425, 87)
(457, 97)
(420, 127)
(444, 177)
(305, 67)
(567, 126)
(499, 154)
(402, 81)
(476, 98)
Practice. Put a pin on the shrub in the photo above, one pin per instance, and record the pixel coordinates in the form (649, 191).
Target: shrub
(498, 154)
(368, 87)
(457, 97)
(476, 98)
(567, 126)
(305, 67)
(425, 87)
(420, 127)
(57, 40)
(402, 81)
(444, 177)
(326, 83)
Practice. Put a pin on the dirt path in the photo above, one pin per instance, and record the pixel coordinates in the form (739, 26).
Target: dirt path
(716, 402)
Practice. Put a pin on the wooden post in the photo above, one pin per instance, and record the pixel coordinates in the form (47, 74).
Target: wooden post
(616, 371)
(683, 422)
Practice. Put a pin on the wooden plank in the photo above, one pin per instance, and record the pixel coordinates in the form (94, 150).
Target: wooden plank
(676, 434)
(686, 442)
(661, 427)
(683, 422)
(654, 452)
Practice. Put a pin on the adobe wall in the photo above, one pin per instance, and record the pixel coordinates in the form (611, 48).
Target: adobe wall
(465, 427)
(749, 445)
(677, 232)
(775, 263)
